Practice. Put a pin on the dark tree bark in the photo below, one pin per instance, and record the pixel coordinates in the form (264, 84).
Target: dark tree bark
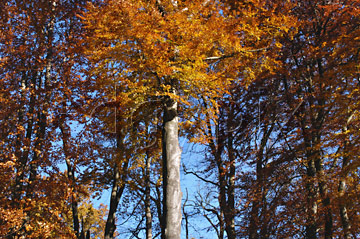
(118, 186)
(341, 189)
(147, 202)
(71, 176)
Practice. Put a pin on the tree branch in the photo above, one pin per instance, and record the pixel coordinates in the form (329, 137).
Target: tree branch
(213, 58)
(198, 176)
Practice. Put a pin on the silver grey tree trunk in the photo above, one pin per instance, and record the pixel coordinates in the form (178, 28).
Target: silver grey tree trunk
(171, 167)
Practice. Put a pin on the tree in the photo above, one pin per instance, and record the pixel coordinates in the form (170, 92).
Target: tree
(92, 220)
(37, 87)
(296, 133)
(151, 50)
(319, 75)
(95, 96)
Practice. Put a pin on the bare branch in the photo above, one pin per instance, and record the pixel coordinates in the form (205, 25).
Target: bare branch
(198, 176)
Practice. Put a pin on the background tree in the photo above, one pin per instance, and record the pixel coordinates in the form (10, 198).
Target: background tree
(38, 93)
(294, 128)
(316, 75)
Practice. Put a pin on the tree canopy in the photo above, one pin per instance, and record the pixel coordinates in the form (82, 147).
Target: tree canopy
(97, 95)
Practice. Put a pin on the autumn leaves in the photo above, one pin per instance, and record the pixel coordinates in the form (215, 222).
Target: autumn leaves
(269, 88)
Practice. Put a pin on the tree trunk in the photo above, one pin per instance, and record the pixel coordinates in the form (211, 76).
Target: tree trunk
(23, 156)
(117, 189)
(325, 199)
(222, 196)
(341, 190)
(158, 203)
(43, 100)
(147, 199)
(186, 217)
(259, 198)
(343, 211)
(311, 204)
(71, 176)
(116, 194)
(311, 227)
(216, 145)
(230, 212)
(171, 171)
(254, 214)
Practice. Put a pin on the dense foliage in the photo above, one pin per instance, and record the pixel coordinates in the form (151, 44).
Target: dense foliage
(95, 95)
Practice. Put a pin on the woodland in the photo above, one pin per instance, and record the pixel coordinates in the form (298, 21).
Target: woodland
(96, 97)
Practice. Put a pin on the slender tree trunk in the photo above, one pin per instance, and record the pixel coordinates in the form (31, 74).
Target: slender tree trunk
(186, 217)
(254, 215)
(341, 190)
(116, 194)
(311, 201)
(325, 200)
(75, 214)
(23, 156)
(117, 188)
(171, 170)
(312, 207)
(343, 210)
(222, 197)
(230, 217)
(221, 225)
(253, 222)
(38, 149)
(226, 206)
(158, 204)
(217, 147)
(71, 176)
(323, 189)
(258, 200)
(43, 99)
(148, 199)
